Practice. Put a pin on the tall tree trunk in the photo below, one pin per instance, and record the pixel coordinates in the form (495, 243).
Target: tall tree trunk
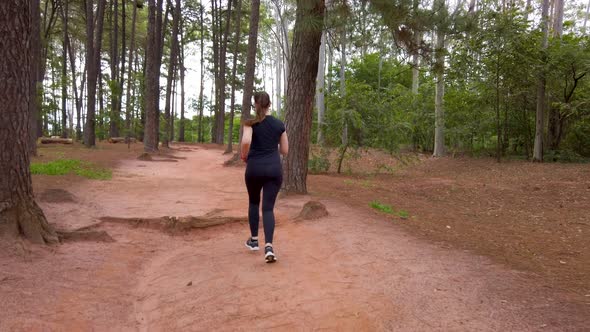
(114, 116)
(200, 135)
(77, 95)
(35, 84)
(540, 115)
(182, 92)
(555, 125)
(320, 80)
(222, 68)
(128, 111)
(236, 49)
(93, 44)
(171, 71)
(64, 72)
(343, 84)
(122, 70)
(301, 90)
(279, 78)
(152, 84)
(250, 65)
(439, 114)
(19, 214)
(215, 30)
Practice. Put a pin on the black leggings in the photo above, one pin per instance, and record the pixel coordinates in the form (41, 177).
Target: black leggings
(270, 186)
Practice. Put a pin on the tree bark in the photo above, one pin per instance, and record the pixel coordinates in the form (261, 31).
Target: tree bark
(439, 114)
(171, 70)
(300, 92)
(320, 81)
(343, 83)
(250, 64)
(93, 61)
(555, 125)
(35, 63)
(215, 30)
(200, 135)
(64, 72)
(540, 114)
(114, 116)
(236, 47)
(130, 74)
(222, 68)
(182, 92)
(19, 213)
(152, 84)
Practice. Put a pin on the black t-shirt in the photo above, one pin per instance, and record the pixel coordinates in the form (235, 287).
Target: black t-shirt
(266, 136)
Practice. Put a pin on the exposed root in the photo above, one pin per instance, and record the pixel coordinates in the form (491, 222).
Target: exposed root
(151, 157)
(234, 161)
(57, 196)
(177, 225)
(84, 235)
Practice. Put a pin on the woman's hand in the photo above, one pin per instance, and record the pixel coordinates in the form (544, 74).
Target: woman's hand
(244, 157)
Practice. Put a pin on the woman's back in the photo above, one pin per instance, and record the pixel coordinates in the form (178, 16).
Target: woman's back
(266, 136)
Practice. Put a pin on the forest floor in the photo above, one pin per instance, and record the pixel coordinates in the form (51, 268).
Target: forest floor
(468, 245)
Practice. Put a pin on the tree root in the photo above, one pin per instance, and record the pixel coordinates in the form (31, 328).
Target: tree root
(176, 225)
(84, 235)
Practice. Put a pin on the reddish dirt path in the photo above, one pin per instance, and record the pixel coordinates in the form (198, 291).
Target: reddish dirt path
(351, 271)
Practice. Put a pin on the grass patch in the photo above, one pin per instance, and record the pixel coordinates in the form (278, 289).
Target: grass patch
(68, 166)
(382, 207)
(386, 208)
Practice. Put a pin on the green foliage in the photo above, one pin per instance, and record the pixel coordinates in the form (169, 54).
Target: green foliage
(319, 163)
(68, 166)
(385, 208)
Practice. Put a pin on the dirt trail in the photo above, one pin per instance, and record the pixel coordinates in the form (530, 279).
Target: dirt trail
(349, 271)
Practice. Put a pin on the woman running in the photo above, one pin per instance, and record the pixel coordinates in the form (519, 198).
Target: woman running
(262, 139)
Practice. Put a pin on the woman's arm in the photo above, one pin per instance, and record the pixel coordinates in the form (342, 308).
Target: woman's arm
(246, 141)
(284, 144)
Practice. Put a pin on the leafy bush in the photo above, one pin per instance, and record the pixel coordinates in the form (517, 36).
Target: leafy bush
(319, 163)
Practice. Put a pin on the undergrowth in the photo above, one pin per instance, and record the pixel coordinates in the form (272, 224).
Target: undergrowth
(68, 166)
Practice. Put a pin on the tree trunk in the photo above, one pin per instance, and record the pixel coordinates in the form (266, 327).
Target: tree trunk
(215, 30)
(300, 92)
(19, 213)
(93, 61)
(182, 92)
(343, 84)
(122, 71)
(222, 67)
(152, 84)
(250, 64)
(439, 115)
(35, 84)
(64, 72)
(130, 75)
(171, 71)
(320, 80)
(236, 48)
(540, 115)
(114, 116)
(555, 125)
(200, 135)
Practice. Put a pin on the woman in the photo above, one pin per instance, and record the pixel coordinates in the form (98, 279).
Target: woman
(264, 136)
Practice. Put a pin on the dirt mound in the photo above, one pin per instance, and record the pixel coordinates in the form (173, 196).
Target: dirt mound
(57, 196)
(313, 210)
